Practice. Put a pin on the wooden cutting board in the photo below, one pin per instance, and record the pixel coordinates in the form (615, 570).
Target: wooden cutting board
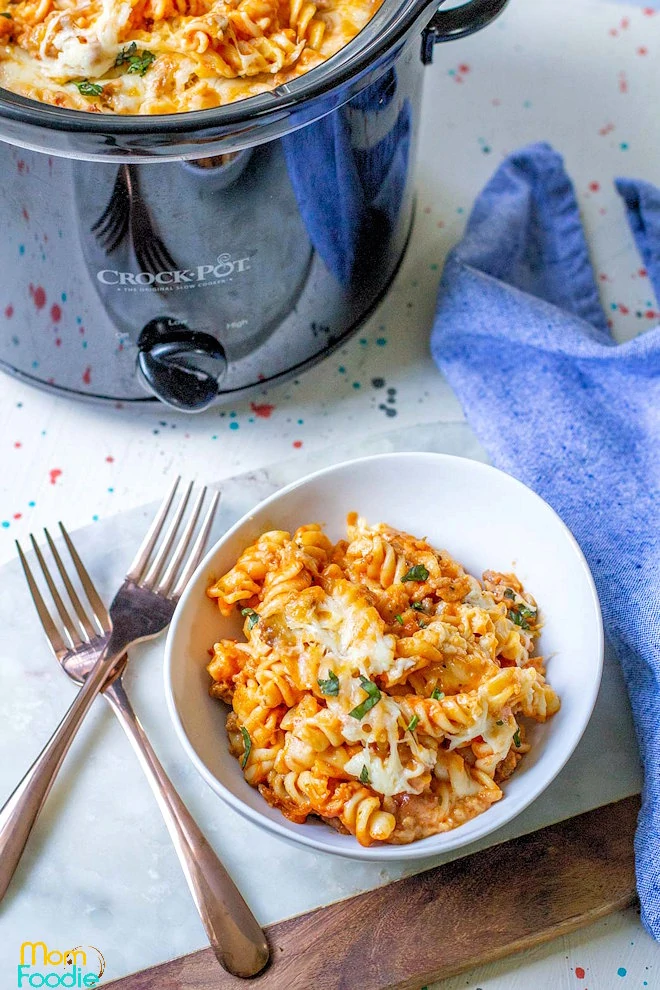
(415, 931)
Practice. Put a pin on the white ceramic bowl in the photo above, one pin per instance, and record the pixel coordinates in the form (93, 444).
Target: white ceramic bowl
(486, 520)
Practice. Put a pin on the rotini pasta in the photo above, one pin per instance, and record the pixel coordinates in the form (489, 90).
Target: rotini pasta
(164, 56)
(380, 687)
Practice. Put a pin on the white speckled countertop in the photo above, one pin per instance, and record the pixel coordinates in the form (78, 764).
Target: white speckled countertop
(579, 73)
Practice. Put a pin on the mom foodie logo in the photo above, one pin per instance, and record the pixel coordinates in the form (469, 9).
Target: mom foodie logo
(77, 968)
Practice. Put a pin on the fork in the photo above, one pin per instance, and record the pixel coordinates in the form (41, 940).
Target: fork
(112, 226)
(150, 251)
(94, 654)
(127, 209)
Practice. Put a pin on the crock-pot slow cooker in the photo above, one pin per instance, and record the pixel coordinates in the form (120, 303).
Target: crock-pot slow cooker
(196, 256)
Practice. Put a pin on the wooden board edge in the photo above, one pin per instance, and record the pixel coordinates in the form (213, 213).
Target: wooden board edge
(528, 891)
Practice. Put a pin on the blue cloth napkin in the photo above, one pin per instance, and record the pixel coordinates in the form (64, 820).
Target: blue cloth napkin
(523, 340)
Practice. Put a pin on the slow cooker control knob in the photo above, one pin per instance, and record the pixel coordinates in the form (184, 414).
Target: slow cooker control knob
(182, 367)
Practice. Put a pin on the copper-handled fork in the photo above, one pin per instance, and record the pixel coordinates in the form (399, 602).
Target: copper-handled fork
(94, 654)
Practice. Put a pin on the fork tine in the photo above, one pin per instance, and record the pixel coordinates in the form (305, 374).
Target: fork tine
(53, 636)
(172, 569)
(197, 549)
(69, 625)
(99, 611)
(159, 560)
(142, 556)
(71, 591)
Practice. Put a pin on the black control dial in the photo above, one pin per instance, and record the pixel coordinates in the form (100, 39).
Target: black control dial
(182, 367)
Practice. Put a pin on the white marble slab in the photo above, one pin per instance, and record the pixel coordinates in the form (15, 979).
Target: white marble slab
(100, 868)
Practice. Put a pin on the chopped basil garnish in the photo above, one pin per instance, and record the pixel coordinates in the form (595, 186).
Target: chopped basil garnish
(510, 593)
(422, 625)
(499, 722)
(516, 738)
(137, 62)
(364, 775)
(247, 742)
(87, 88)
(331, 685)
(5, 13)
(252, 617)
(373, 698)
(399, 619)
(416, 573)
(521, 614)
(418, 607)
(437, 695)
(412, 724)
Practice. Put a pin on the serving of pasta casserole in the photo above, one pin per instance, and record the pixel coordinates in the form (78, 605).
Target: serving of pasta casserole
(166, 56)
(379, 687)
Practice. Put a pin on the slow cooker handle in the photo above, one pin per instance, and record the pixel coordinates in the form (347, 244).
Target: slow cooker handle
(447, 25)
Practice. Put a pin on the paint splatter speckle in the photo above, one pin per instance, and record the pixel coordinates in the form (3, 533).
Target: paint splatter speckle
(621, 971)
(54, 474)
(263, 410)
(297, 444)
(579, 972)
(87, 376)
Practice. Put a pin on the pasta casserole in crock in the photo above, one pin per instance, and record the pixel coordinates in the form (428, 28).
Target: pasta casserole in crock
(165, 56)
(379, 687)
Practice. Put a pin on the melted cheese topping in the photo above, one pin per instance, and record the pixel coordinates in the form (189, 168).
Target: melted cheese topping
(165, 56)
(380, 686)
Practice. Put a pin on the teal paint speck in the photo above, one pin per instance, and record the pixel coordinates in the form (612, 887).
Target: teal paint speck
(250, 419)
(111, 490)
(613, 306)
(233, 426)
(364, 341)
(84, 345)
(621, 971)
(356, 385)
(624, 146)
(232, 414)
(381, 341)
(460, 210)
(78, 320)
(300, 422)
(5, 524)
(95, 518)
(63, 297)
(341, 369)
(433, 267)
(452, 72)
(527, 104)
(35, 364)
(214, 437)
(32, 504)
(21, 248)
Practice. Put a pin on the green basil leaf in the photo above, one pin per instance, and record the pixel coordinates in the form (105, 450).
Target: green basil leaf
(247, 742)
(252, 617)
(373, 698)
(510, 593)
(412, 724)
(329, 686)
(5, 13)
(399, 619)
(499, 722)
(437, 695)
(87, 88)
(416, 573)
(364, 775)
(418, 607)
(516, 738)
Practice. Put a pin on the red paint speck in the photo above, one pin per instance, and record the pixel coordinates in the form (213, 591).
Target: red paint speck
(440, 224)
(594, 186)
(18, 444)
(603, 277)
(58, 342)
(642, 273)
(82, 331)
(262, 409)
(623, 309)
(458, 79)
(613, 32)
(464, 68)
(642, 50)
(623, 83)
(649, 11)
(625, 23)
(109, 459)
(22, 167)
(9, 311)
(18, 515)
(55, 313)
(607, 129)
(297, 444)
(38, 296)
(579, 972)
(54, 474)
(650, 314)
(87, 376)
(26, 215)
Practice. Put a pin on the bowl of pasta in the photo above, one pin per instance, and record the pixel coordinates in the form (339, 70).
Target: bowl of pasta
(388, 659)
